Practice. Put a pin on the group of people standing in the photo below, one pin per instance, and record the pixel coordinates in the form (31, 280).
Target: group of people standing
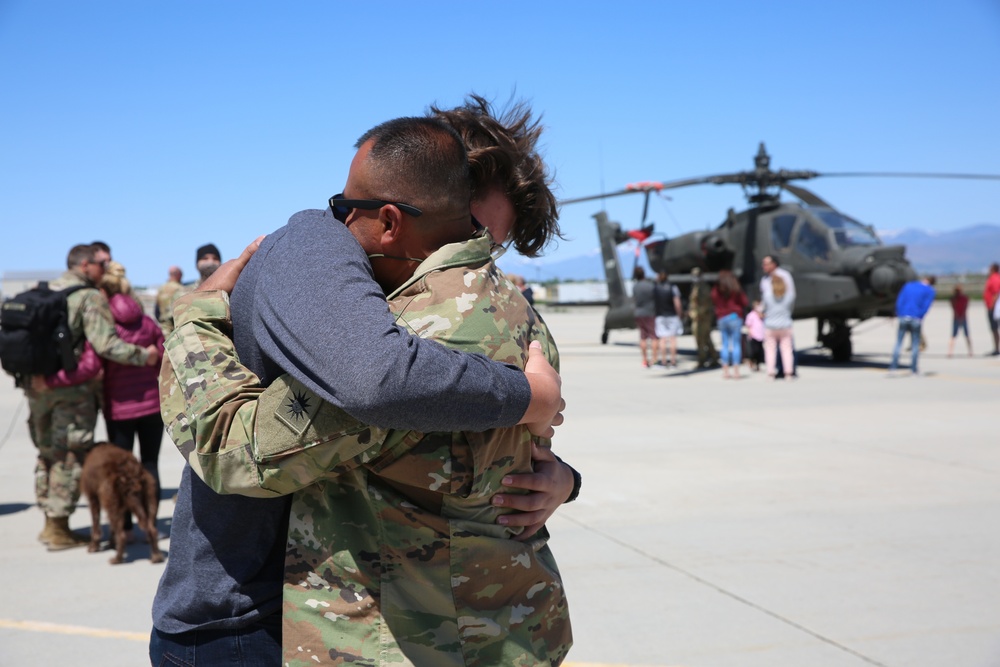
(436, 473)
(118, 350)
(915, 300)
(768, 322)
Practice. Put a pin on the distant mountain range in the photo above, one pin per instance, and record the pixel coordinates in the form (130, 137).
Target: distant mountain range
(967, 250)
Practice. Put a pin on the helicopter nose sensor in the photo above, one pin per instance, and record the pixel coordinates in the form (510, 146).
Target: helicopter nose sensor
(715, 245)
(885, 279)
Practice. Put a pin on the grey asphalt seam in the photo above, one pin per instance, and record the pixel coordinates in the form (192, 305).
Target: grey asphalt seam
(727, 593)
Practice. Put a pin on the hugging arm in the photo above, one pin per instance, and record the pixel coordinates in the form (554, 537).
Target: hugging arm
(309, 303)
(239, 436)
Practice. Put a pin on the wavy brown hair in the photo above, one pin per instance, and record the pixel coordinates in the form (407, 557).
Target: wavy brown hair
(503, 153)
(728, 284)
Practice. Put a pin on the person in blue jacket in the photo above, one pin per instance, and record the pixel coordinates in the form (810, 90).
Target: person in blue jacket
(912, 304)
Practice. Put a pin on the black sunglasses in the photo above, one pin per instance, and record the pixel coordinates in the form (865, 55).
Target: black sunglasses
(342, 207)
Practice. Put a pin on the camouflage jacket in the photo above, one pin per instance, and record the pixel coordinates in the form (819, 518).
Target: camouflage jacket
(700, 302)
(90, 318)
(165, 298)
(394, 557)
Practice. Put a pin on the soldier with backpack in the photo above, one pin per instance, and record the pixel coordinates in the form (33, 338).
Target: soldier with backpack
(62, 418)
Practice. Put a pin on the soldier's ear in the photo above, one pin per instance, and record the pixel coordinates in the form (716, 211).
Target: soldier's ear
(392, 224)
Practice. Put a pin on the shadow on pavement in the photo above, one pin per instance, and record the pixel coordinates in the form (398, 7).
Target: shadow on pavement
(14, 508)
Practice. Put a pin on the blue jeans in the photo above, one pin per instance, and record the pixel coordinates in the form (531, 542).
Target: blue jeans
(911, 325)
(959, 325)
(732, 343)
(258, 645)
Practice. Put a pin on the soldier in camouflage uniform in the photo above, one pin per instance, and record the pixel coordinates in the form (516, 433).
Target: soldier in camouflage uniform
(207, 261)
(165, 298)
(397, 555)
(701, 310)
(62, 419)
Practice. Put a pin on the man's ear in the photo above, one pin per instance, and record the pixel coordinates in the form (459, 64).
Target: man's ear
(391, 219)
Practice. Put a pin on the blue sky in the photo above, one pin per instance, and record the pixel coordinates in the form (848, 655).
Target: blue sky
(160, 126)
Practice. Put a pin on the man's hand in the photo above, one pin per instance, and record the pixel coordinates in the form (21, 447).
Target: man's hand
(154, 355)
(225, 276)
(550, 486)
(38, 383)
(544, 412)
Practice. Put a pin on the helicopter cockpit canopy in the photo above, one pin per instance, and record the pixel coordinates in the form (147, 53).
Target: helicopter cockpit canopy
(847, 231)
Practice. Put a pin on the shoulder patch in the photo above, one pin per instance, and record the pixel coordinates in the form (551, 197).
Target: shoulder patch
(298, 407)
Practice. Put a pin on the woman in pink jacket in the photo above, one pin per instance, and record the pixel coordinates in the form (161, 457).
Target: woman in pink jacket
(131, 393)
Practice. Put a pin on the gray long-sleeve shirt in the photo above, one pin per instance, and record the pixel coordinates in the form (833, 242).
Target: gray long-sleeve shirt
(778, 310)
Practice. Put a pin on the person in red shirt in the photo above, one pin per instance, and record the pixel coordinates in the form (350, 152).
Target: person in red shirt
(730, 303)
(990, 293)
(959, 305)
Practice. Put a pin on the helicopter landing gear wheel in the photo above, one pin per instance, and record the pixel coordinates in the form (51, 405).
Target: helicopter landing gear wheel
(842, 351)
(604, 338)
(838, 339)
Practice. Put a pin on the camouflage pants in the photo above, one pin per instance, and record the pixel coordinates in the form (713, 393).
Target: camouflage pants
(61, 424)
(702, 332)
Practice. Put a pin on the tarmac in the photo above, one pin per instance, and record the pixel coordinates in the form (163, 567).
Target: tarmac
(839, 520)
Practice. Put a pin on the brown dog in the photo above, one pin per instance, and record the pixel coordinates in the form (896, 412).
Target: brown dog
(115, 480)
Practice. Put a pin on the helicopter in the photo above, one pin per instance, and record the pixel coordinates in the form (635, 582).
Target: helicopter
(843, 272)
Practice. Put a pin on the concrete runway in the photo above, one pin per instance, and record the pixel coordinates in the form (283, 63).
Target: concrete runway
(840, 520)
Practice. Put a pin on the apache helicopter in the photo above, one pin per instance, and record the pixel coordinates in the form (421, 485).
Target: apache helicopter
(842, 270)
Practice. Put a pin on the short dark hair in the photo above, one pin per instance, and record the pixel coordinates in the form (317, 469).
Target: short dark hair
(422, 162)
(101, 245)
(994, 267)
(80, 253)
(773, 258)
(638, 273)
(503, 153)
(931, 280)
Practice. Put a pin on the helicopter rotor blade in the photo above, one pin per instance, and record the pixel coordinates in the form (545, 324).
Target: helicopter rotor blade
(910, 174)
(645, 207)
(654, 186)
(763, 178)
(806, 196)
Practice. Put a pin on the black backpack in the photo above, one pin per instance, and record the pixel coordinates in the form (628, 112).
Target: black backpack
(35, 338)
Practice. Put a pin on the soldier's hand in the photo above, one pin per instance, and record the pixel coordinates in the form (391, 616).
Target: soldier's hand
(544, 412)
(38, 383)
(154, 355)
(549, 487)
(226, 275)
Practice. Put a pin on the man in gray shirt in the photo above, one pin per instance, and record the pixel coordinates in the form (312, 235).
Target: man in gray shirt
(644, 295)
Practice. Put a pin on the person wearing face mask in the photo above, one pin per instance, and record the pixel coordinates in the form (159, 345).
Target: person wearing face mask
(207, 260)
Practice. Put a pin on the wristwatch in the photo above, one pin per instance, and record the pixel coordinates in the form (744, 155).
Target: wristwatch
(577, 482)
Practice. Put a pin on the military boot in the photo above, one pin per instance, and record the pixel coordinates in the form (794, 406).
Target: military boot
(46, 533)
(62, 537)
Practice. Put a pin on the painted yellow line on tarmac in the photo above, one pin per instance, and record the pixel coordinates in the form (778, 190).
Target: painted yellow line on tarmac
(966, 378)
(57, 629)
